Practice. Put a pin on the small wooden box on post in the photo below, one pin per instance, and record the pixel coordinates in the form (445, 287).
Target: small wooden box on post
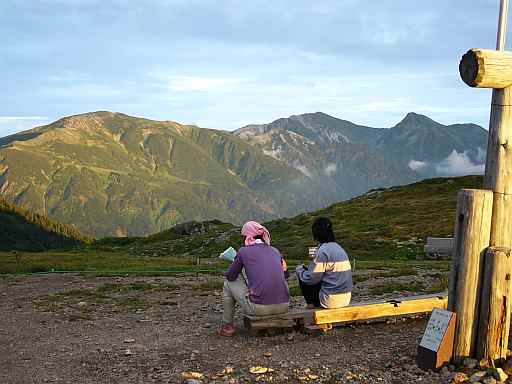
(483, 68)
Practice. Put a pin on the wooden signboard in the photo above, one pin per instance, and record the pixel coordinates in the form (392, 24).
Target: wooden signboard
(436, 345)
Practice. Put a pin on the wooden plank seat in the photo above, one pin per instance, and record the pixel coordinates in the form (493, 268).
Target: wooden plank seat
(323, 319)
(412, 305)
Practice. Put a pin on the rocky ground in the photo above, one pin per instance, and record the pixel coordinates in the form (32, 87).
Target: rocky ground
(67, 328)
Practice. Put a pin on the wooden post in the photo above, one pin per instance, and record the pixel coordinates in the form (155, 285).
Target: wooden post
(498, 167)
(472, 230)
(494, 320)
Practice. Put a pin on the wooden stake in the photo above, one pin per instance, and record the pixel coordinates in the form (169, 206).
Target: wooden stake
(498, 168)
(499, 145)
(494, 321)
(472, 230)
(502, 26)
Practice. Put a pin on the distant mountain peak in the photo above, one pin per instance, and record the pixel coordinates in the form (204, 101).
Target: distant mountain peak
(314, 114)
(415, 120)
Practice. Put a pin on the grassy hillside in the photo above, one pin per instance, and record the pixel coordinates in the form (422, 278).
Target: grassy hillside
(385, 223)
(26, 231)
(382, 228)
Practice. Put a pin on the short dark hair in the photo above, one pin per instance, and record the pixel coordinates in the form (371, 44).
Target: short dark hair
(322, 230)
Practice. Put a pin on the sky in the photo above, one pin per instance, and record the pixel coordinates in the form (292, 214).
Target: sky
(225, 64)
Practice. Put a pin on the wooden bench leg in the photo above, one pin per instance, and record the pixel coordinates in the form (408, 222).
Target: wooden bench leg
(325, 327)
(318, 329)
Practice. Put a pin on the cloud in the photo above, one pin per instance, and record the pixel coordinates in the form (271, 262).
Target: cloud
(265, 62)
(417, 165)
(481, 155)
(85, 90)
(17, 118)
(13, 124)
(330, 169)
(457, 164)
(203, 84)
(301, 167)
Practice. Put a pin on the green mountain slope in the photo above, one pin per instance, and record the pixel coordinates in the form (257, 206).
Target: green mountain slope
(22, 230)
(110, 174)
(388, 223)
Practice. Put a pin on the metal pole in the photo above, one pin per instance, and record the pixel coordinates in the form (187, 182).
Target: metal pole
(502, 26)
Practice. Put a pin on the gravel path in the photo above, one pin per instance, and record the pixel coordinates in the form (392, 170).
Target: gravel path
(175, 334)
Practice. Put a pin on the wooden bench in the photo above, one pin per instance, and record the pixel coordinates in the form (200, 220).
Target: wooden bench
(324, 319)
(439, 247)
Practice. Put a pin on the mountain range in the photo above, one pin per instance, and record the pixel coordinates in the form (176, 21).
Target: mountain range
(110, 174)
(350, 159)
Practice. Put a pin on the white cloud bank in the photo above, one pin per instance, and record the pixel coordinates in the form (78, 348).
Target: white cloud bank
(417, 165)
(457, 164)
(203, 84)
(13, 124)
(330, 169)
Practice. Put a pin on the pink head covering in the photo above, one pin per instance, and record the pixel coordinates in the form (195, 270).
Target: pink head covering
(251, 229)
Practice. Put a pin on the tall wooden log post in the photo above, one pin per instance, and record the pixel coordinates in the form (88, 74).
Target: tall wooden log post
(472, 229)
(493, 69)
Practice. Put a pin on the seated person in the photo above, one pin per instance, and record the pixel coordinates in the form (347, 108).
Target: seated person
(327, 281)
(265, 291)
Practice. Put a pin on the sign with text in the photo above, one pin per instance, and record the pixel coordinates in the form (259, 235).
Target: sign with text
(436, 328)
(436, 345)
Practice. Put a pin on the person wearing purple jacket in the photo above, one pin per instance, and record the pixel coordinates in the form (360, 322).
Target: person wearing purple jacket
(263, 290)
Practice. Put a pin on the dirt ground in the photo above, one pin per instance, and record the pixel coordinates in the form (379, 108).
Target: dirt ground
(67, 328)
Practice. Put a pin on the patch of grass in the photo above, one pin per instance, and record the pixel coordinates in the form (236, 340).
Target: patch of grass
(440, 284)
(100, 262)
(79, 304)
(398, 272)
(393, 286)
(403, 271)
(77, 316)
(357, 278)
(295, 291)
(141, 287)
(131, 303)
(210, 285)
(70, 298)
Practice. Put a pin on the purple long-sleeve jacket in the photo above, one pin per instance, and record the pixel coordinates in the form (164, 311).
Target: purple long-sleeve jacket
(263, 267)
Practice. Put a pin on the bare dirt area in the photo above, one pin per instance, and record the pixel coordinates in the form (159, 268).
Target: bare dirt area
(69, 328)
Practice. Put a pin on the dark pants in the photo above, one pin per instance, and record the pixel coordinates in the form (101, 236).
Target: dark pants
(311, 293)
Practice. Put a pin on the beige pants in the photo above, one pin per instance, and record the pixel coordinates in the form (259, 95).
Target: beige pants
(237, 292)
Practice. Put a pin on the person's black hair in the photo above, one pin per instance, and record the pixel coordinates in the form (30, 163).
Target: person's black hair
(322, 230)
